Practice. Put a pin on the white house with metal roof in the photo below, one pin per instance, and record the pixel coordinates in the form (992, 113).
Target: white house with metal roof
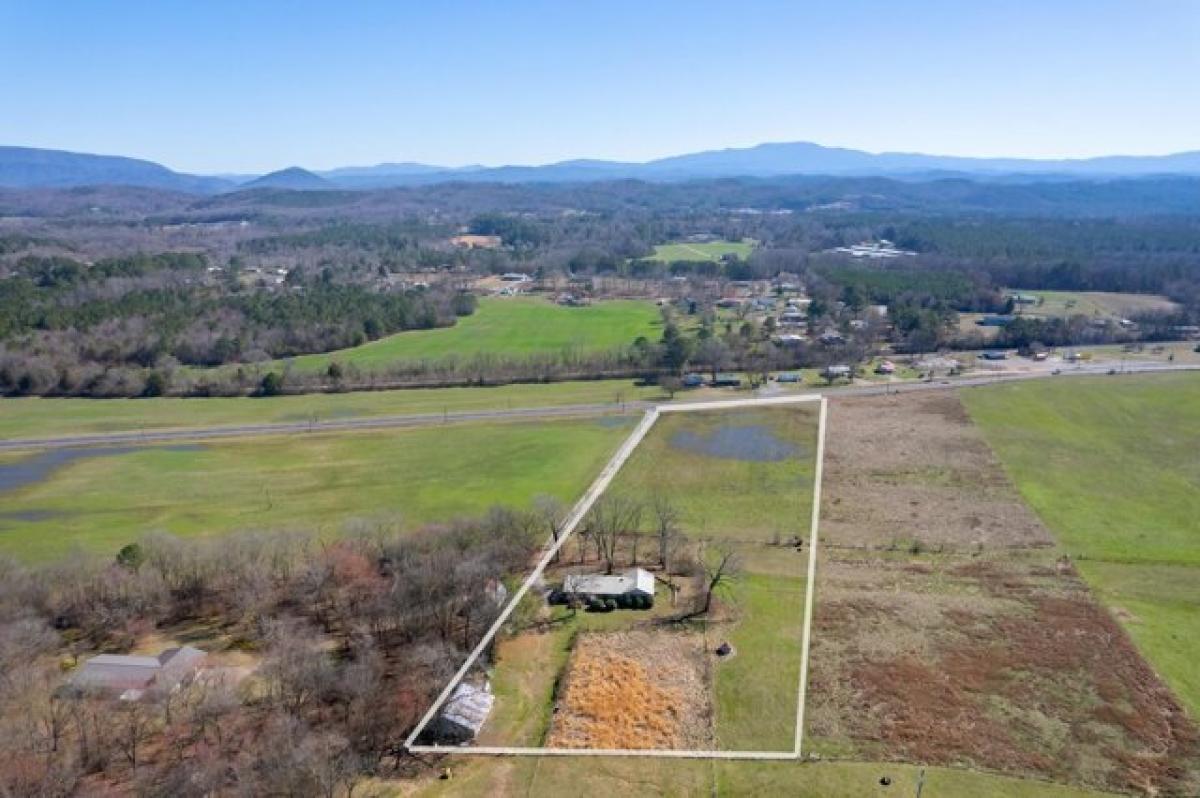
(634, 582)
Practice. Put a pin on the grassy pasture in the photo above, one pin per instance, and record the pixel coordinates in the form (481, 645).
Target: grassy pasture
(712, 250)
(757, 689)
(724, 497)
(1112, 466)
(510, 327)
(47, 418)
(1102, 304)
(551, 776)
(315, 482)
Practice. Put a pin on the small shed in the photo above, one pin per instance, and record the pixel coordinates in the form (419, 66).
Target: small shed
(464, 714)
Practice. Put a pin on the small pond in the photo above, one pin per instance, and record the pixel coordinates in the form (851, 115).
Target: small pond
(753, 442)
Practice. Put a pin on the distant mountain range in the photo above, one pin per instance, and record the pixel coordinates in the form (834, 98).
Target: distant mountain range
(25, 167)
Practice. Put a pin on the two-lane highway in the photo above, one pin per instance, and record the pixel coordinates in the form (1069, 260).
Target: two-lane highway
(540, 413)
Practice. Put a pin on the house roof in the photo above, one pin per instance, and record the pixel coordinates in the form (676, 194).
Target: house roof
(635, 579)
(125, 672)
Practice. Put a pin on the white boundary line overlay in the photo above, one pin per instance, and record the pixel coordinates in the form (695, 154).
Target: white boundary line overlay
(580, 510)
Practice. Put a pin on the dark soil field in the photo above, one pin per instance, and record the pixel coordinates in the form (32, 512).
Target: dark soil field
(947, 633)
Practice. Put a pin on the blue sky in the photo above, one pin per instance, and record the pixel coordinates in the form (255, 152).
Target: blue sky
(219, 86)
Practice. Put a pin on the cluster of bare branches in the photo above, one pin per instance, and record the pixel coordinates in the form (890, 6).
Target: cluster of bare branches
(352, 639)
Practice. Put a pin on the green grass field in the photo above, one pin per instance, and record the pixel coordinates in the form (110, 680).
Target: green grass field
(314, 482)
(1101, 304)
(1112, 466)
(585, 778)
(724, 497)
(758, 688)
(508, 326)
(48, 418)
(713, 250)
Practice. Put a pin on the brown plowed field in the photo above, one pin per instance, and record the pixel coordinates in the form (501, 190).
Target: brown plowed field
(972, 646)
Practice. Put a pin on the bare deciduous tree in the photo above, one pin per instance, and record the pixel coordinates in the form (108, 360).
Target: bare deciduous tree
(612, 517)
(553, 515)
(720, 568)
(666, 523)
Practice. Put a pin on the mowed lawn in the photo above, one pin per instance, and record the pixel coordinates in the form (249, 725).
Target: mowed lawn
(711, 250)
(509, 327)
(1112, 466)
(47, 418)
(306, 482)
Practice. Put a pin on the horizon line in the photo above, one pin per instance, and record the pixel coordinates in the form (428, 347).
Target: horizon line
(476, 165)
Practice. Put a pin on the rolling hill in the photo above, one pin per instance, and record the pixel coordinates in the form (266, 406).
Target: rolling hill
(25, 167)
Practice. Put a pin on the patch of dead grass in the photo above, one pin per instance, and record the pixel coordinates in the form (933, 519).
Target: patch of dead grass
(635, 690)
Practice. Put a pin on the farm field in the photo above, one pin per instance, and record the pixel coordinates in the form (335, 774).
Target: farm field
(675, 692)
(1101, 304)
(1112, 466)
(507, 327)
(712, 250)
(47, 418)
(308, 482)
(942, 605)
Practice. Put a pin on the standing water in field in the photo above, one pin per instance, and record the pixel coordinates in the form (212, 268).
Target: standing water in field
(754, 442)
(32, 470)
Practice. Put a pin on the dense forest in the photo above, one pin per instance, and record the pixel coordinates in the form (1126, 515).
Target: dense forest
(111, 291)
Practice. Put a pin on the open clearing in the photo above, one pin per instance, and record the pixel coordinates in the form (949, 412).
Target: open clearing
(507, 327)
(710, 250)
(1113, 468)
(946, 631)
(315, 483)
(1101, 304)
(46, 418)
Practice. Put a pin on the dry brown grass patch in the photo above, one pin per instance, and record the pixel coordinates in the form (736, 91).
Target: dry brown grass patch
(635, 690)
